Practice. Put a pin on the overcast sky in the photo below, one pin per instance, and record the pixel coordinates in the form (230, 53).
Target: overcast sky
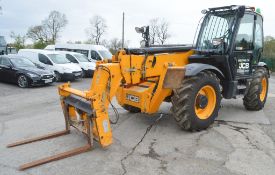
(183, 16)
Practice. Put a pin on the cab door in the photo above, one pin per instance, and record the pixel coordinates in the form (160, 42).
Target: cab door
(258, 40)
(244, 47)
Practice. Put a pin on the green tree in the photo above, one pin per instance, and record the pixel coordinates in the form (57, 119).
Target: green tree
(269, 52)
(19, 40)
(40, 44)
(269, 47)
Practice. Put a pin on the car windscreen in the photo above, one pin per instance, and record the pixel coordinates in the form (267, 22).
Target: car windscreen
(105, 54)
(81, 58)
(22, 62)
(58, 59)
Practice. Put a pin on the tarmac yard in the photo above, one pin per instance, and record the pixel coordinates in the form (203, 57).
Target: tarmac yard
(239, 142)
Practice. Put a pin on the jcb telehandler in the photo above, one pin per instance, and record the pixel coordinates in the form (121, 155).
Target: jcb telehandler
(224, 63)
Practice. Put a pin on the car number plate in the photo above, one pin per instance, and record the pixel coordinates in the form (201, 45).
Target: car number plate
(48, 81)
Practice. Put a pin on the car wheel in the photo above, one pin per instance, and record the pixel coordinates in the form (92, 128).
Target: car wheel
(57, 76)
(22, 81)
(83, 74)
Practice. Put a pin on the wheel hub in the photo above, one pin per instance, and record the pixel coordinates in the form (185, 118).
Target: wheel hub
(201, 101)
(205, 102)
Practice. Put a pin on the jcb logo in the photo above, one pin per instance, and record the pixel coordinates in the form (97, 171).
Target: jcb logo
(132, 98)
(243, 65)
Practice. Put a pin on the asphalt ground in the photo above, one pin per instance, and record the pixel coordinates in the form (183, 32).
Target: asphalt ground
(239, 142)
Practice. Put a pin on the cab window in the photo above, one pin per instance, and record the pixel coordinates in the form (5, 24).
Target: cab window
(44, 59)
(95, 56)
(244, 38)
(259, 33)
(71, 58)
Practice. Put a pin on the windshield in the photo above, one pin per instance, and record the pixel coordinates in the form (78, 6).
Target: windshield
(58, 59)
(105, 54)
(215, 32)
(22, 62)
(81, 58)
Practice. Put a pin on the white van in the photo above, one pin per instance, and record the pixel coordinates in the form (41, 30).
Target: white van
(86, 65)
(50, 47)
(93, 52)
(51, 60)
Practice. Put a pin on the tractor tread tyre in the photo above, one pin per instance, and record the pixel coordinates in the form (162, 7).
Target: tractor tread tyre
(251, 100)
(183, 101)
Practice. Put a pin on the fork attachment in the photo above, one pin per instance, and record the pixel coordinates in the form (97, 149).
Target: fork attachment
(87, 111)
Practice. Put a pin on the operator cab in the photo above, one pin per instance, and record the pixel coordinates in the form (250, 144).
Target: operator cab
(231, 39)
(235, 32)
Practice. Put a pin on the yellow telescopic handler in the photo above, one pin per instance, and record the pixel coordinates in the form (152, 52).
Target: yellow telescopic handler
(225, 63)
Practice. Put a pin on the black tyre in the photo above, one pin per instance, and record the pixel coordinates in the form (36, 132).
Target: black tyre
(255, 98)
(57, 76)
(131, 109)
(196, 103)
(83, 74)
(23, 81)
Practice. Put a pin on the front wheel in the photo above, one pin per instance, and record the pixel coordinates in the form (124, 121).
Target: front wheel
(196, 103)
(22, 81)
(255, 98)
(57, 76)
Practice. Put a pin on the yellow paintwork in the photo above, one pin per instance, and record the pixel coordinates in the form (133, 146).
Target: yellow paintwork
(128, 76)
(210, 94)
(264, 89)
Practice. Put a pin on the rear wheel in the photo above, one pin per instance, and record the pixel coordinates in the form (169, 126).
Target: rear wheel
(196, 103)
(22, 81)
(255, 97)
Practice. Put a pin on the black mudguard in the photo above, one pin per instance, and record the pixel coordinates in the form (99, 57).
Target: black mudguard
(193, 69)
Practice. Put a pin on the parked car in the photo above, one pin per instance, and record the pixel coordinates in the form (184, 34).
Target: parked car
(23, 72)
(51, 60)
(86, 65)
(93, 52)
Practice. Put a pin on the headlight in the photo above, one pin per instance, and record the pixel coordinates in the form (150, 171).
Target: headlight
(33, 75)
